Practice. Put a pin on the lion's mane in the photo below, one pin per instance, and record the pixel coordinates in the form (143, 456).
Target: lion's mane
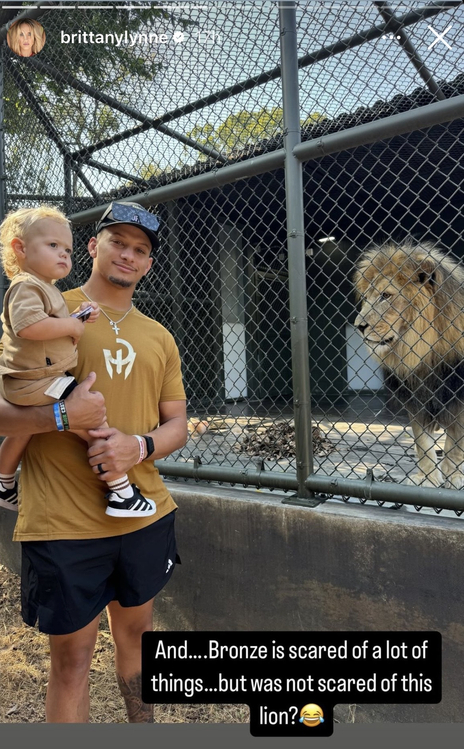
(426, 363)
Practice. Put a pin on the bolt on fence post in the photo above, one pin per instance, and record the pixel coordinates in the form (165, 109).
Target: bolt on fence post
(296, 248)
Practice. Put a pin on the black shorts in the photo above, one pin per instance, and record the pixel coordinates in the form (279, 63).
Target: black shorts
(66, 584)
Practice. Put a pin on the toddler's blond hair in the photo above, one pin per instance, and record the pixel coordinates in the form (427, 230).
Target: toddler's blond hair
(17, 224)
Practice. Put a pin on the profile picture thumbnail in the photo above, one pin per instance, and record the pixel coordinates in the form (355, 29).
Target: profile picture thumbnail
(26, 37)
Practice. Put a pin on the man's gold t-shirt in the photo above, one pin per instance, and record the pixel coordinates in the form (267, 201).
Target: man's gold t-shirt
(137, 368)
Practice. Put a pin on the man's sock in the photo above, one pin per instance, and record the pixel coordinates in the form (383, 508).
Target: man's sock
(122, 487)
(7, 481)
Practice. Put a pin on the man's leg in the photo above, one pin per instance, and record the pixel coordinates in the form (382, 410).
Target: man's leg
(127, 625)
(68, 686)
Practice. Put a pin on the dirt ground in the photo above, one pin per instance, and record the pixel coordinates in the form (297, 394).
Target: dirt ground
(24, 661)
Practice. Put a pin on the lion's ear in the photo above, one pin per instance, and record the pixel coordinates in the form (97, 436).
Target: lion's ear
(424, 277)
(426, 273)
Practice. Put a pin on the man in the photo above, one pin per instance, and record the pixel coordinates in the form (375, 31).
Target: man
(76, 558)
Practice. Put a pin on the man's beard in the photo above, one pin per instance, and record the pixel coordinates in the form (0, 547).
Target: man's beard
(120, 282)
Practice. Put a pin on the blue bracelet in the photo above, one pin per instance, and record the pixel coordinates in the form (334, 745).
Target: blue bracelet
(58, 419)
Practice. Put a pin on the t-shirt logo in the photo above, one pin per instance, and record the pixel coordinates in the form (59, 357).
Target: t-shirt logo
(118, 361)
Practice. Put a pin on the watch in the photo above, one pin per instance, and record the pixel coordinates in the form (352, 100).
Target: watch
(150, 445)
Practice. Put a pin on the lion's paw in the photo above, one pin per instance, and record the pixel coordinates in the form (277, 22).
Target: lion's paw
(432, 481)
(455, 480)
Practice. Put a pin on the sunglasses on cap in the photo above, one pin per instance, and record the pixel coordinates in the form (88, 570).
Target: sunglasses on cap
(130, 213)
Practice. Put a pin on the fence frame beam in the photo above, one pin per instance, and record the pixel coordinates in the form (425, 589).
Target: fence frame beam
(117, 172)
(329, 486)
(294, 201)
(384, 129)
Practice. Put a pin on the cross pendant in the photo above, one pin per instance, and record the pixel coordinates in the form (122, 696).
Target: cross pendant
(115, 327)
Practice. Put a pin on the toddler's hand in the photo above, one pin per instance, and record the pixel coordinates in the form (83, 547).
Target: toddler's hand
(76, 330)
(95, 313)
(85, 305)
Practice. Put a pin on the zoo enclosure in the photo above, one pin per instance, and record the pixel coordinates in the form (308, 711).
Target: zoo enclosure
(268, 187)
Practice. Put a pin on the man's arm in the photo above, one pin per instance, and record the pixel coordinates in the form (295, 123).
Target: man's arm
(84, 408)
(119, 452)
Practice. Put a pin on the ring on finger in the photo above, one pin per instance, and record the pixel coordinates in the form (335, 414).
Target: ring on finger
(100, 468)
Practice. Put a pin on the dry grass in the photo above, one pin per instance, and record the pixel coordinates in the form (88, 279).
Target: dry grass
(24, 662)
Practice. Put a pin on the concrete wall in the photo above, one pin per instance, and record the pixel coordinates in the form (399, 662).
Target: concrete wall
(252, 563)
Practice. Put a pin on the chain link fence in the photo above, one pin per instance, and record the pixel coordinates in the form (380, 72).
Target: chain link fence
(191, 111)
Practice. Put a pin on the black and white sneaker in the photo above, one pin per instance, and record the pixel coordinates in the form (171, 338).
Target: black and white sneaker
(135, 507)
(9, 498)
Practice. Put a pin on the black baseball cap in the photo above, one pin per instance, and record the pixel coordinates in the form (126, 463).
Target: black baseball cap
(119, 212)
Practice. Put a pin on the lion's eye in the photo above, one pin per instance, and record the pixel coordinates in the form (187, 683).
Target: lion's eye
(386, 295)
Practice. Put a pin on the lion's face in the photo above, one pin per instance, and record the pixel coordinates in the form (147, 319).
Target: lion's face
(392, 314)
(384, 317)
(398, 308)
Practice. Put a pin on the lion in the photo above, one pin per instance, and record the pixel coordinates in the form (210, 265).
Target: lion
(412, 321)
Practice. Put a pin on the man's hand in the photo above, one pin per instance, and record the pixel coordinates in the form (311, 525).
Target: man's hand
(116, 451)
(86, 409)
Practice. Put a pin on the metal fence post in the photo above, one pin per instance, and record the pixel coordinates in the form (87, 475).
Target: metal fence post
(296, 248)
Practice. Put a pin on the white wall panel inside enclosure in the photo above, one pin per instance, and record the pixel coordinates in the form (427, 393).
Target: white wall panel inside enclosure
(363, 372)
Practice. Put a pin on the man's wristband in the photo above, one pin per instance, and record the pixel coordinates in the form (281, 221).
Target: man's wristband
(64, 414)
(141, 447)
(58, 419)
(150, 445)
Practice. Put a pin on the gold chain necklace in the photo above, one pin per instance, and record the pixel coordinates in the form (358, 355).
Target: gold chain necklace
(114, 323)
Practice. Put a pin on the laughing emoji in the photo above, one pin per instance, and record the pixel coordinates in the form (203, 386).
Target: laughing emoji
(311, 715)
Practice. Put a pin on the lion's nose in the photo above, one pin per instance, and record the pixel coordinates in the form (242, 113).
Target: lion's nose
(360, 324)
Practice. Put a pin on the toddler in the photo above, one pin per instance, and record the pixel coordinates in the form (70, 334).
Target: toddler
(40, 340)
